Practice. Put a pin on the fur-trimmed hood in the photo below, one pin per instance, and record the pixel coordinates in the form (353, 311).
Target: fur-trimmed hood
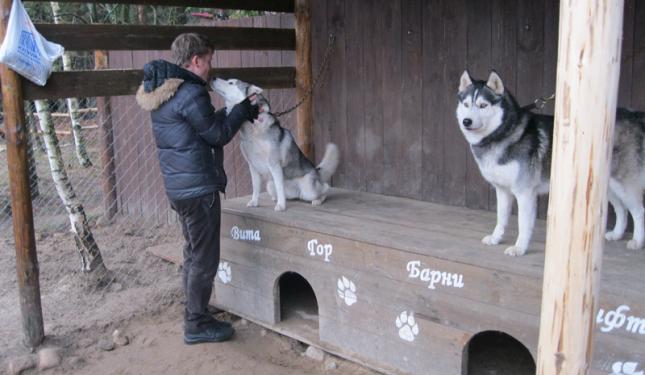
(161, 80)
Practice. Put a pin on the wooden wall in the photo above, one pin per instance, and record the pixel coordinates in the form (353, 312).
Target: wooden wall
(389, 96)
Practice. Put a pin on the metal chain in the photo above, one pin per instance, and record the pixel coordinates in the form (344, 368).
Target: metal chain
(539, 103)
(323, 68)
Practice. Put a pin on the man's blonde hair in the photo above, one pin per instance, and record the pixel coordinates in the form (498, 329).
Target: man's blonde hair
(187, 45)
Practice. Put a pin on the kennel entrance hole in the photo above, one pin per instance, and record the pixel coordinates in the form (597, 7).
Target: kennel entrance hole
(297, 303)
(495, 352)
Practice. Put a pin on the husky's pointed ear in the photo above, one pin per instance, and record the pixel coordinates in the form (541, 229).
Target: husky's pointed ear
(253, 89)
(495, 83)
(465, 81)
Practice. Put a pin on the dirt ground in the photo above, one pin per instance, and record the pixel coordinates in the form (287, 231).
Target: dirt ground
(144, 303)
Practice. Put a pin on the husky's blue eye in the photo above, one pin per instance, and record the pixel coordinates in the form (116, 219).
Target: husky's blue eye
(466, 104)
(483, 105)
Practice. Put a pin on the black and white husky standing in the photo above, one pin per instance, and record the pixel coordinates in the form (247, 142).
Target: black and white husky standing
(271, 152)
(512, 148)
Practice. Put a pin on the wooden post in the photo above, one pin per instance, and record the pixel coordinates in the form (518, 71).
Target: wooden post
(22, 214)
(304, 118)
(108, 174)
(586, 94)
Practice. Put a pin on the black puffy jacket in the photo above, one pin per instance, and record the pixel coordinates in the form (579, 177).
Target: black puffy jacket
(189, 133)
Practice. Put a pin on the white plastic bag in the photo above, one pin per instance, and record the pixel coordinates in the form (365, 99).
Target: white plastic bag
(26, 51)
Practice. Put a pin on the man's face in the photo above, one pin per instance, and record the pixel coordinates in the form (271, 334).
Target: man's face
(201, 65)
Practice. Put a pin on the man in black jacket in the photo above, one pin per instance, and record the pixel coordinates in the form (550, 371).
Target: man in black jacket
(190, 136)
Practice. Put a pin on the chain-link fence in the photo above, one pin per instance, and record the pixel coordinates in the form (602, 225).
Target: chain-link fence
(139, 282)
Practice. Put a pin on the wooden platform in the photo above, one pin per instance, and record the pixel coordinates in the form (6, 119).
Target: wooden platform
(398, 255)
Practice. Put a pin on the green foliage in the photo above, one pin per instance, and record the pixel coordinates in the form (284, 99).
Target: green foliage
(128, 14)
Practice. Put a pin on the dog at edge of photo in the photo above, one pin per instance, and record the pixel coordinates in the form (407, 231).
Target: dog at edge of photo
(271, 153)
(512, 148)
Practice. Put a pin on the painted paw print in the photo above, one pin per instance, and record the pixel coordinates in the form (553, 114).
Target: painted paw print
(224, 272)
(625, 368)
(408, 327)
(347, 291)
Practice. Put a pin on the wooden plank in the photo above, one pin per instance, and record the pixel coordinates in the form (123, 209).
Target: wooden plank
(627, 63)
(145, 147)
(531, 61)
(321, 96)
(392, 92)
(288, 59)
(115, 59)
(354, 158)
(504, 52)
(145, 37)
(550, 51)
(304, 78)
(130, 173)
(455, 149)
(126, 82)
(272, 6)
(336, 82)
(584, 125)
(17, 143)
(274, 58)
(638, 68)
(373, 52)
(479, 56)
(433, 107)
(409, 147)
(106, 145)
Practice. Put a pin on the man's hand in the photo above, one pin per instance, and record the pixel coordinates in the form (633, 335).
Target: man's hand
(252, 110)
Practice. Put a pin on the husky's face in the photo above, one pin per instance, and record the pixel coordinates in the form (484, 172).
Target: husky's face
(233, 90)
(479, 110)
(264, 120)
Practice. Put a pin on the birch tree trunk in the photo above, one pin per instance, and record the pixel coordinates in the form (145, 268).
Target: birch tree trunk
(72, 105)
(36, 141)
(91, 260)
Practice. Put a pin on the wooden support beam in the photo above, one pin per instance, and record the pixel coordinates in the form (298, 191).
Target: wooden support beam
(304, 120)
(106, 145)
(586, 95)
(22, 214)
(285, 6)
(83, 84)
(75, 37)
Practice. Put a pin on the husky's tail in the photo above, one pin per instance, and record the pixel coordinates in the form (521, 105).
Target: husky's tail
(329, 163)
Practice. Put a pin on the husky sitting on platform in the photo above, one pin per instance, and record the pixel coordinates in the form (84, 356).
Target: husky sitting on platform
(271, 151)
(512, 147)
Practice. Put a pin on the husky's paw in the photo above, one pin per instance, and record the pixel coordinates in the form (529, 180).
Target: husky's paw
(224, 272)
(280, 207)
(514, 251)
(347, 291)
(613, 236)
(252, 203)
(491, 240)
(317, 202)
(626, 368)
(408, 327)
(635, 245)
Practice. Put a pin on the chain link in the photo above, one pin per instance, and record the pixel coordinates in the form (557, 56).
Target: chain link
(323, 68)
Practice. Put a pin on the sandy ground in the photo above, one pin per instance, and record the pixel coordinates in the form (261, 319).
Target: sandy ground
(144, 303)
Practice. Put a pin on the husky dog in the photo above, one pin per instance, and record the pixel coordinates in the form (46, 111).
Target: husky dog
(512, 147)
(271, 151)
